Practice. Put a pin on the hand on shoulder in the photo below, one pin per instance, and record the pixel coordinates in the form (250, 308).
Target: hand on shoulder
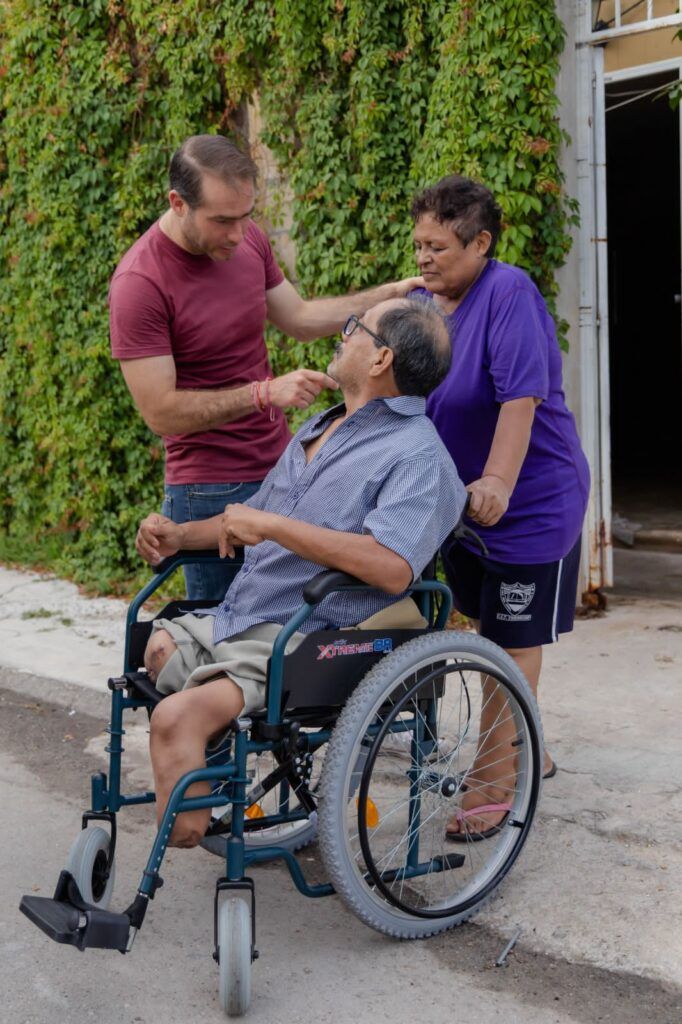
(407, 285)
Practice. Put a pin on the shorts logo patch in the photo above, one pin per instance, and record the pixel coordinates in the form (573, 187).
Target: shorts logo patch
(516, 597)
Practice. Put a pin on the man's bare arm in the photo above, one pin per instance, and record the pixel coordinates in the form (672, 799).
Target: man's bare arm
(167, 409)
(315, 318)
(358, 554)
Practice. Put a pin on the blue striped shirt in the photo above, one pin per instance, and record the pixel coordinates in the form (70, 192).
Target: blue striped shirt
(385, 472)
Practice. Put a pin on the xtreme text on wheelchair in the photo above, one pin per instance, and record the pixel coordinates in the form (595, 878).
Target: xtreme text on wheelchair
(369, 741)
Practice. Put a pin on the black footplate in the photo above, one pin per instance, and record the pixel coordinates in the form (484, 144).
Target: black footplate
(68, 918)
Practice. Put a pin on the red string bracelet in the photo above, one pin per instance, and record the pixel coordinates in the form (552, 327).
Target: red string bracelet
(267, 404)
(259, 403)
(261, 400)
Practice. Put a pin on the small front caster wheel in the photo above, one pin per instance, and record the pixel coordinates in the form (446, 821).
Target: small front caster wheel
(234, 952)
(87, 862)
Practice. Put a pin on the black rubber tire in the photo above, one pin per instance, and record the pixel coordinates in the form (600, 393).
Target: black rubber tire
(337, 816)
(234, 952)
(86, 861)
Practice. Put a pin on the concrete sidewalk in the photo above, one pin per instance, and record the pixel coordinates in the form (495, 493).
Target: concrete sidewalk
(600, 881)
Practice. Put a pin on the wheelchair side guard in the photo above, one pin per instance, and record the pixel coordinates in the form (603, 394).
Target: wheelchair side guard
(161, 573)
(337, 660)
(139, 632)
(317, 589)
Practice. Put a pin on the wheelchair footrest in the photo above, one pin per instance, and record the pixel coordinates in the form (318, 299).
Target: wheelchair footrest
(69, 919)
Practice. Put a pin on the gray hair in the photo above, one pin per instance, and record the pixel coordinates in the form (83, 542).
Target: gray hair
(418, 336)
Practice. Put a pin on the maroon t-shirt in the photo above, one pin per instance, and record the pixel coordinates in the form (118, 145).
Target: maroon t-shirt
(210, 317)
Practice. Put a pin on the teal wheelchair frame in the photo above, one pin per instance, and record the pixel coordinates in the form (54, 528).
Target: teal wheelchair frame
(291, 731)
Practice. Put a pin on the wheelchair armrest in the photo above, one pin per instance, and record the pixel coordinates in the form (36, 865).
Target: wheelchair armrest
(333, 580)
(328, 582)
(182, 557)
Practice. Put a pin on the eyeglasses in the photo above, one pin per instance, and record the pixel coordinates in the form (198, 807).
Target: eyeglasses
(351, 325)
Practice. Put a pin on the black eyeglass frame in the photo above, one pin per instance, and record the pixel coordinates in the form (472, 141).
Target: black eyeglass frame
(352, 324)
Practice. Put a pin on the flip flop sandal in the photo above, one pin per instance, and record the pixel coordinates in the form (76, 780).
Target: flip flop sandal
(552, 771)
(475, 812)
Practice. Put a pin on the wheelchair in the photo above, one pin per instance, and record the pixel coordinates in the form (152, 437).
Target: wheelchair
(368, 741)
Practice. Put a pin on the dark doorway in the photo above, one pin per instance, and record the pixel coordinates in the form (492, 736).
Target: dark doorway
(643, 209)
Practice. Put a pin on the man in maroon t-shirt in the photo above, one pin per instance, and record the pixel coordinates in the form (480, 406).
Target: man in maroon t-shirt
(188, 305)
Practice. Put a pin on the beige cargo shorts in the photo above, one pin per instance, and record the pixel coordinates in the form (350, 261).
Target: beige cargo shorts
(244, 657)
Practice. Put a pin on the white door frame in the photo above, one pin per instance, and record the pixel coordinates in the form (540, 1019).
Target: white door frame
(594, 311)
(593, 326)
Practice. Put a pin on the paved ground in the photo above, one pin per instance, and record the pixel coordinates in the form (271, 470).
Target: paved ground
(596, 893)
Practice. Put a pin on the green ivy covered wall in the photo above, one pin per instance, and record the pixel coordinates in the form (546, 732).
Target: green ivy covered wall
(361, 103)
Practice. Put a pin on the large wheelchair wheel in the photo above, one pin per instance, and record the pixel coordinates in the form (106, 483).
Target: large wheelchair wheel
(473, 727)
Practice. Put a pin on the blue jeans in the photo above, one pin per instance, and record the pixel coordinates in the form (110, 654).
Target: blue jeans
(186, 502)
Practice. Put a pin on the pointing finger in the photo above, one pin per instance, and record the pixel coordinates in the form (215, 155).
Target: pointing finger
(319, 379)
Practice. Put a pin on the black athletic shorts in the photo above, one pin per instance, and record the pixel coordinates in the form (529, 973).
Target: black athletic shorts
(517, 605)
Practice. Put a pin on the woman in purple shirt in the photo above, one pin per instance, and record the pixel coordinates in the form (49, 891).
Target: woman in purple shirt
(502, 415)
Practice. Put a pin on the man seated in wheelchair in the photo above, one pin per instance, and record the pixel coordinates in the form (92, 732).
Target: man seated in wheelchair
(366, 488)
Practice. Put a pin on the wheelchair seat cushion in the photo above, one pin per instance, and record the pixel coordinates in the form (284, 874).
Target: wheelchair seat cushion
(404, 614)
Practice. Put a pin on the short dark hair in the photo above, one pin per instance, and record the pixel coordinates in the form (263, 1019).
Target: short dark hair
(417, 335)
(207, 153)
(466, 204)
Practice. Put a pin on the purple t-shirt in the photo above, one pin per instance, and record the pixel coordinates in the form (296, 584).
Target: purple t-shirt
(504, 347)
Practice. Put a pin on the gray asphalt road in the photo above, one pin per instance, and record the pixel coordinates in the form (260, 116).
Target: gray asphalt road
(316, 960)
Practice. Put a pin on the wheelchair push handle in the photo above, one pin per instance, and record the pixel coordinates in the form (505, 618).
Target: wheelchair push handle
(464, 532)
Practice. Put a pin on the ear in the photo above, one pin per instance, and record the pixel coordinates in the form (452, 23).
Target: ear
(177, 203)
(382, 362)
(483, 241)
